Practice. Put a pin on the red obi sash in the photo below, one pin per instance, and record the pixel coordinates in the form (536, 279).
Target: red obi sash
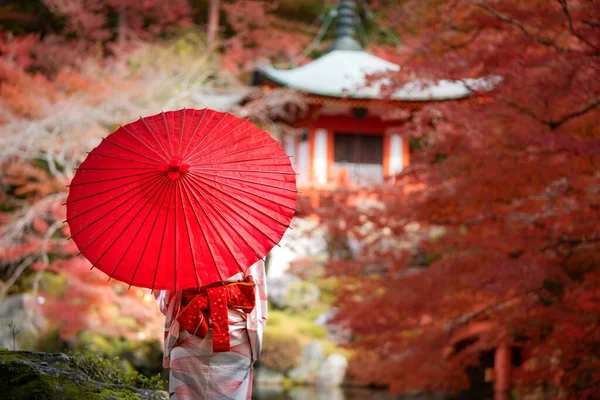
(213, 301)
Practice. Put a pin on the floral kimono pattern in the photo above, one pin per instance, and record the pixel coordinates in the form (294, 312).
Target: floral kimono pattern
(199, 373)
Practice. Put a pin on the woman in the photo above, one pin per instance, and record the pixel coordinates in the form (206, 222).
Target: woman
(213, 336)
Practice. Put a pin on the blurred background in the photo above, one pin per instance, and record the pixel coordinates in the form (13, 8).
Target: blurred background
(447, 238)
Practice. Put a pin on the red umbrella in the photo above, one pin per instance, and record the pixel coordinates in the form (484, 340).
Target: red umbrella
(181, 199)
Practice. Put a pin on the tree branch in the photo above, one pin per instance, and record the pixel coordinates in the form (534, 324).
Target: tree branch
(565, 7)
(575, 114)
(453, 324)
(553, 124)
(20, 269)
(520, 25)
(591, 24)
(466, 42)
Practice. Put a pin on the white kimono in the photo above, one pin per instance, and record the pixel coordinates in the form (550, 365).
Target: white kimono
(196, 372)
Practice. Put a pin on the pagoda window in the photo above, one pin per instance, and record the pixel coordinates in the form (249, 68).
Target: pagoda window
(358, 148)
(360, 156)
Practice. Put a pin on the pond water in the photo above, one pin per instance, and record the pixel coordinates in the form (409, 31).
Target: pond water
(311, 393)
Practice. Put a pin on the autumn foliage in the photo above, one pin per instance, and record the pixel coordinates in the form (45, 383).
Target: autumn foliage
(59, 71)
(71, 71)
(491, 236)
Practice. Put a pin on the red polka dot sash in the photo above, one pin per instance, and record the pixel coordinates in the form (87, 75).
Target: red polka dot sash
(213, 302)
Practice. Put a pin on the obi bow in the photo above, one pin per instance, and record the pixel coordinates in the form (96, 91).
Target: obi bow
(213, 301)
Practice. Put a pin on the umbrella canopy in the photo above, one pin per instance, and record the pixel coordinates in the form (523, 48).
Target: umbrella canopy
(181, 199)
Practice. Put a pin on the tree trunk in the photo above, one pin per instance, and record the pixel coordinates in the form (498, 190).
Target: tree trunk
(121, 26)
(502, 364)
(213, 22)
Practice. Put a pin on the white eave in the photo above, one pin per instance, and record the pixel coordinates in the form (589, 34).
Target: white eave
(342, 73)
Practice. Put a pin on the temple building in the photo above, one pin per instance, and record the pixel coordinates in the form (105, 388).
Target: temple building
(347, 132)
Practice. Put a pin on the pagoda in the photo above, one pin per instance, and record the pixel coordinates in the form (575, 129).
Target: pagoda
(348, 134)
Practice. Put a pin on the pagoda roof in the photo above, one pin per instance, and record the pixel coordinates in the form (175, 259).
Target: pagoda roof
(343, 73)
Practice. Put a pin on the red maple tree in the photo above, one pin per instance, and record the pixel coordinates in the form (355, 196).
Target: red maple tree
(49, 35)
(123, 20)
(260, 32)
(491, 236)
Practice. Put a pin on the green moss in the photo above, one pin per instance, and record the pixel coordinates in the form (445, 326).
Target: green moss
(21, 381)
(7, 355)
(42, 376)
(143, 356)
(18, 381)
(109, 371)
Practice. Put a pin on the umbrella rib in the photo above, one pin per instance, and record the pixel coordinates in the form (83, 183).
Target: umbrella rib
(121, 234)
(243, 202)
(229, 222)
(249, 126)
(202, 150)
(106, 229)
(207, 133)
(104, 191)
(121, 158)
(226, 146)
(264, 178)
(190, 240)
(276, 180)
(156, 139)
(167, 129)
(144, 143)
(148, 239)
(226, 220)
(229, 145)
(162, 239)
(128, 149)
(262, 171)
(144, 186)
(210, 162)
(175, 187)
(248, 181)
(195, 130)
(181, 132)
(114, 169)
(138, 230)
(254, 194)
(113, 179)
(244, 218)
(204, 235)
(216, 230)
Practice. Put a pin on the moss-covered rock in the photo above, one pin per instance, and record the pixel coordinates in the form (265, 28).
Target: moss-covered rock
(144, 356)
(44, 376)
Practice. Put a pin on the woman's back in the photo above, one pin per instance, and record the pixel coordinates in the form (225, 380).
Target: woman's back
(201, 369)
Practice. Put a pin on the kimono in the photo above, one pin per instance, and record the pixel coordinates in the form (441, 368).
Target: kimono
(199, 372)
